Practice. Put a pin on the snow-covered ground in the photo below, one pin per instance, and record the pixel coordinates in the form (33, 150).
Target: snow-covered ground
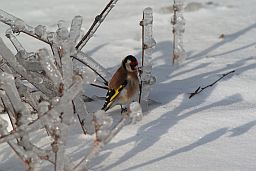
(214, 130)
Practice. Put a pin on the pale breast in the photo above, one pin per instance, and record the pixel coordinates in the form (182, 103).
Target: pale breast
(133, 85)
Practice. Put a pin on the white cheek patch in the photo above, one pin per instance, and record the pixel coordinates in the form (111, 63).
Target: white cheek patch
(128, 67)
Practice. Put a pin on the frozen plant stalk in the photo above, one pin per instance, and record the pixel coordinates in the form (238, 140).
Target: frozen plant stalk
(178, 23)
(148, 43)
(104, 133)
(41, 91)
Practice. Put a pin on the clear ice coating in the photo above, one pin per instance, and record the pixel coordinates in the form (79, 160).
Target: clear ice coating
(49, 67)
(178, 21)
(148, 43)
(43, 91)
(136, 112)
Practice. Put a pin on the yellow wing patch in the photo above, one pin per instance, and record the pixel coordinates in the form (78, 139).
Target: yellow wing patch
(117, 91)
(111, 96)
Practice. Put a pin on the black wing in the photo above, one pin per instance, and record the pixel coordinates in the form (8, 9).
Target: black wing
(112, 94)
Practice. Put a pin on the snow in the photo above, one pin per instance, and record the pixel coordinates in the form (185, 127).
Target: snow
(214, 130)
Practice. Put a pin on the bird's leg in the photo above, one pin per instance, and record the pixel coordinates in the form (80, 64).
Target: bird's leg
(123, 109)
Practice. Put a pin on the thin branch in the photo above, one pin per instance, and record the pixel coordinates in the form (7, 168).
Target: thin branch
(99, 86)
(95, 25)
(173, 31)
(94, 70)
(142, 55)
(79, 118)
(200, 89)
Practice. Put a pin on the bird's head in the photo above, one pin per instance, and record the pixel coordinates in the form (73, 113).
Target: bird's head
(130, 63)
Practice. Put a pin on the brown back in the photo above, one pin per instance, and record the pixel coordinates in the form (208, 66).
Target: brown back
(118, 78)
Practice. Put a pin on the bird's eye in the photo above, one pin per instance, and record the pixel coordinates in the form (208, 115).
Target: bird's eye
(134, 63)
(133, 66)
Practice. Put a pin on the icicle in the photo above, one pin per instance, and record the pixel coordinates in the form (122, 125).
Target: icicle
(148, 43)
(75, 29)
(49, 67)
(178, 22)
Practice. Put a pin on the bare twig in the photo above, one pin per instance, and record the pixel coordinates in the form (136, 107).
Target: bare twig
(200, 89)
(142, 54)
(95, 25)
(173, 31)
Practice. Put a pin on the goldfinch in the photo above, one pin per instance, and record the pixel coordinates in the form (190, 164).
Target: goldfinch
(124, 84)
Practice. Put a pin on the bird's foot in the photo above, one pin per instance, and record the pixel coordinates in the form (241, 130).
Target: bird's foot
(123, 110)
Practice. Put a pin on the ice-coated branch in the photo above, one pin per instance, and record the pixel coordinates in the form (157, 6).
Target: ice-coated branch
(30, 65)
(104, 133)
(65, 53)
(68, 96)
(11, 60)
(42, 154)
(9, 108)
(41, 91)
(85, 118)
(9, 34)
(178, 22)
(3, 130)
(51, 70)
(55, 47)
(148, 43)
(93, 65)
(18, 25)
(8, 85)
(95, 25)
(67, 41)
(75, 29)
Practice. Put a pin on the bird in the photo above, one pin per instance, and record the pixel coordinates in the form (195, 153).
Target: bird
(124, 84)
